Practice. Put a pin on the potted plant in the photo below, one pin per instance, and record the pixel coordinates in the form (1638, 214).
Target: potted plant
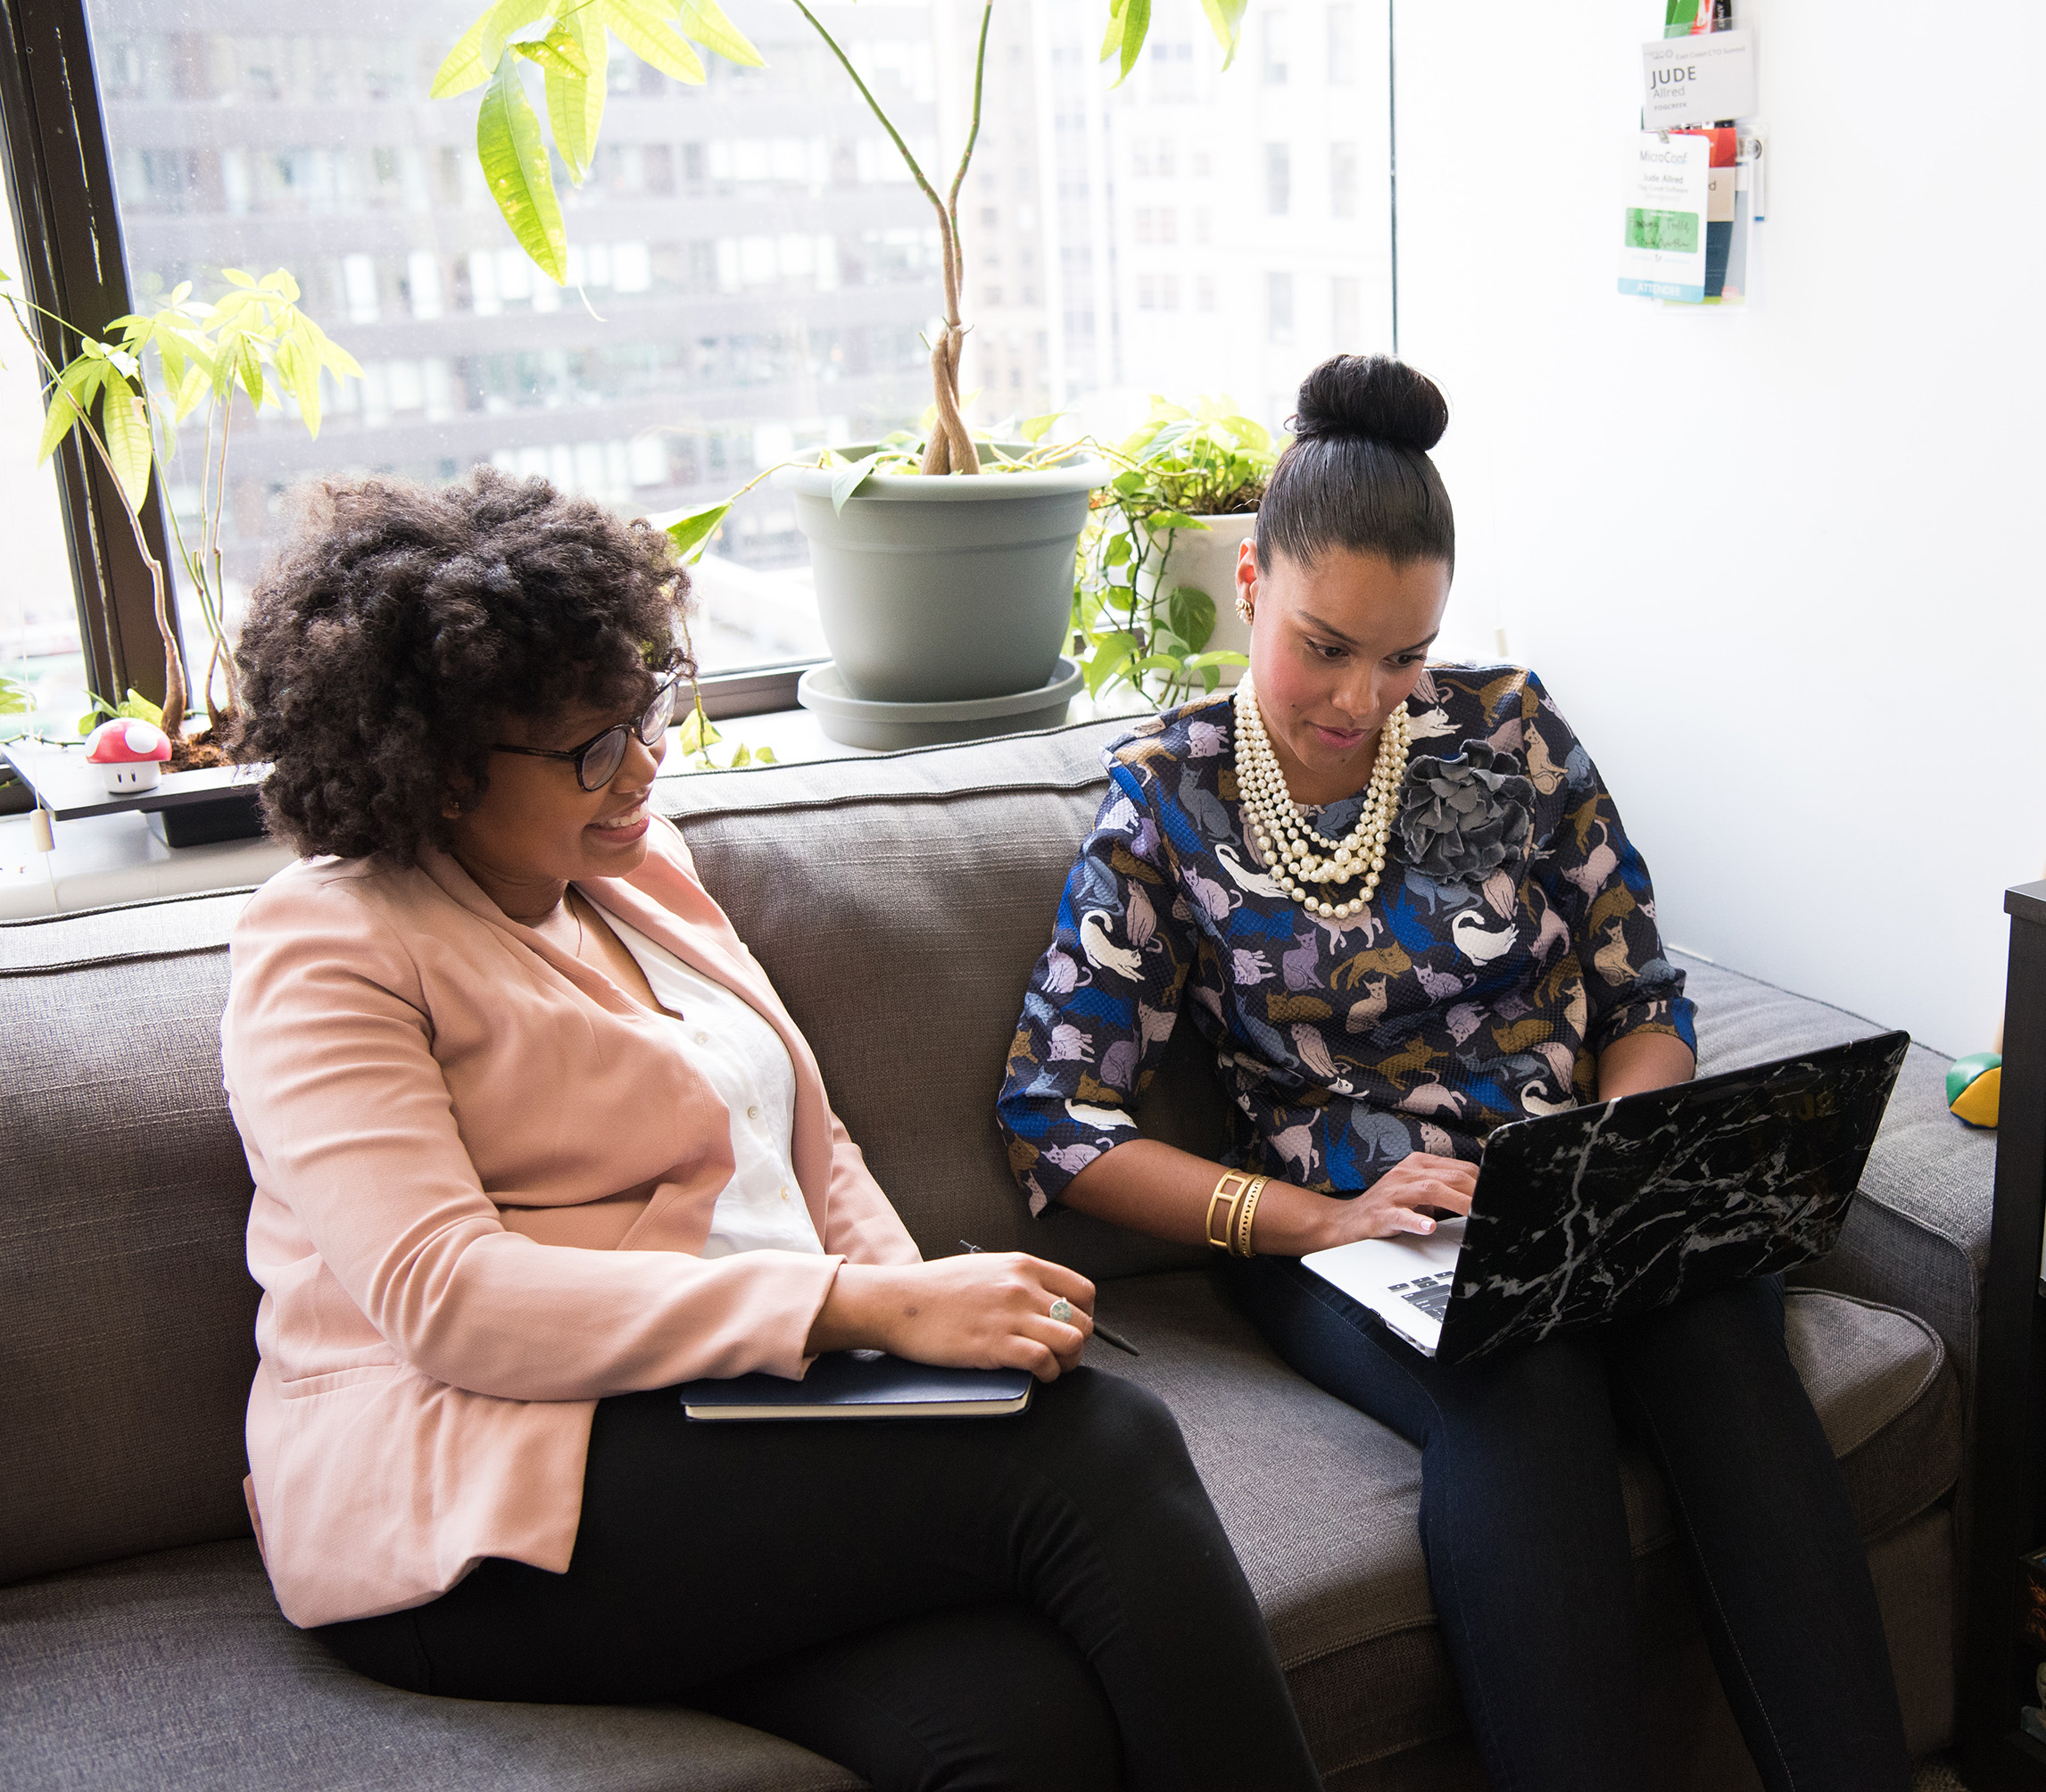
(125, 397)
(1154, 601)
(935, 583)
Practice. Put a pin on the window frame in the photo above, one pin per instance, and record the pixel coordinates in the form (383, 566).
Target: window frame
(73, 262)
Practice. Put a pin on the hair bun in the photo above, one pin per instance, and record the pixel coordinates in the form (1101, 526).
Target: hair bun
(1372, 397)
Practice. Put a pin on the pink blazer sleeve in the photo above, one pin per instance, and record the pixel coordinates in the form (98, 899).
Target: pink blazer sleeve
(351, 1126)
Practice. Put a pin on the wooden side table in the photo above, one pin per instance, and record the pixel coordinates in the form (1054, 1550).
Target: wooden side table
(2009, 1438)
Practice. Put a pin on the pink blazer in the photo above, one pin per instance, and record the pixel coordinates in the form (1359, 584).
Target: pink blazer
(482, 1174)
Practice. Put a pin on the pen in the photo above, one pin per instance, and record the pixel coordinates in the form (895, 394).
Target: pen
(1100, 1331)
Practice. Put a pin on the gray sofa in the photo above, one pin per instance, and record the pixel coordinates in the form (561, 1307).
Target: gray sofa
(897, 903)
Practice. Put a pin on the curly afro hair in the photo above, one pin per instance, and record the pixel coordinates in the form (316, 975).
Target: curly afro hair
(401, 623)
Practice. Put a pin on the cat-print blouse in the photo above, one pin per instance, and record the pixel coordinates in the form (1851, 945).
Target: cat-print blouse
(1511, 939)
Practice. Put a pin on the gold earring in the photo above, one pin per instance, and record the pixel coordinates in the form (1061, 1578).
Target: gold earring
(1244, 609)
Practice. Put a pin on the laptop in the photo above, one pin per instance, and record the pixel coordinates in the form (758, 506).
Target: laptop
(1623, 1205)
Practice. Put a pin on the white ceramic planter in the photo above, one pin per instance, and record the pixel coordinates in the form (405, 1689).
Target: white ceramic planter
(1205, 559)
(938, 590)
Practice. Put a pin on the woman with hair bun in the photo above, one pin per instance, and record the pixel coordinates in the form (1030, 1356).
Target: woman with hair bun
(1397, 901)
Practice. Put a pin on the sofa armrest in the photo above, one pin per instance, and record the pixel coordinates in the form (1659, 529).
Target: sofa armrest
(1917, 1235)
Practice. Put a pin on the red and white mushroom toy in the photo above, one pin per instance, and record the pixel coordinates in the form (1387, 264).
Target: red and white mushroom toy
(130, 754)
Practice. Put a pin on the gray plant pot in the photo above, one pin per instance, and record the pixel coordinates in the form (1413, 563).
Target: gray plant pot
(933, 590)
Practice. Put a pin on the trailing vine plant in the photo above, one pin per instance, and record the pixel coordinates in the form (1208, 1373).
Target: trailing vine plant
(1131, 624)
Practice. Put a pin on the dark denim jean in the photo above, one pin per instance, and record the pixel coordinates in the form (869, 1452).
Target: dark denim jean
(1525, 1532)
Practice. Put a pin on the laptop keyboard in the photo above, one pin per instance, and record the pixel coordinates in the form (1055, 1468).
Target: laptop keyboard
(1429, 1293)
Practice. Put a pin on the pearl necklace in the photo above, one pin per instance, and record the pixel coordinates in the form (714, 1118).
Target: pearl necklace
(1294, 851)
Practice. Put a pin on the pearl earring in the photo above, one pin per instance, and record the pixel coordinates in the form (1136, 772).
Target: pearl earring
(1244, 609)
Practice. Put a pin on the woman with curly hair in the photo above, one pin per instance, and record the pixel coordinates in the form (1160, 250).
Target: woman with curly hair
(533, 1140)
(1397, 902)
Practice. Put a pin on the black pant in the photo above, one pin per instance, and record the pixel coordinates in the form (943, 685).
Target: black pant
(1526, 1535)
(1040, 1601)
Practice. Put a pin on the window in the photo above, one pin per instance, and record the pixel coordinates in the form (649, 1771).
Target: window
(1342, 180)
(1279, 308)
(1278, 180)
(1347, 314)
(1274, 35)
(1342, 45)
(750, 270)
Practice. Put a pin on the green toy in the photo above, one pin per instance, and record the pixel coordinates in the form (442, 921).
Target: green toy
(1974, 1085)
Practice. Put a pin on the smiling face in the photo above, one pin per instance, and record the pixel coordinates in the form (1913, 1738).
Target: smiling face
(1334, 649)
(536, 829)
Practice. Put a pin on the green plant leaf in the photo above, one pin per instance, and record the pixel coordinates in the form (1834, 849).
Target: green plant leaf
(1191, 613)
(651, 38)
(516, 165)
(848, 480)
(1136, 27)
(124, 428)
(478, 50)
(1225, 19)
(1118, 551)
(576, 103)
(691, 531)
(64, 412)
(696, 734)
(559, 49)
(707, 24)
(1104, 664)
(236, 277)
(1160, 520)
(765, 756)
(298, 366)
(1036, 428)
(1223, 655)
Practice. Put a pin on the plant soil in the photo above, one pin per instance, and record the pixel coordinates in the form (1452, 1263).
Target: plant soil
(197, 752)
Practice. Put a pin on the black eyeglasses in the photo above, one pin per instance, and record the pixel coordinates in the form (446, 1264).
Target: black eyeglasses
(597, 760)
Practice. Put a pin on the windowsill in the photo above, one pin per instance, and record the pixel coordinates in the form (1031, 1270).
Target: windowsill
(104, 859)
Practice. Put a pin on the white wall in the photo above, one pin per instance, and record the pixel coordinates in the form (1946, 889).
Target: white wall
(1779, 567)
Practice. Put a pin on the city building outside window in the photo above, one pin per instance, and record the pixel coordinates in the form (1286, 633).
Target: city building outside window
(1275, 47)
(1342, 63)
(1278, 307)
(1343, 180)
(1347, 311)
(1278, 180)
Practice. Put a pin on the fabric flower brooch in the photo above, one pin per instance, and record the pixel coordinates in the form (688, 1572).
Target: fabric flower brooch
(1466, 814)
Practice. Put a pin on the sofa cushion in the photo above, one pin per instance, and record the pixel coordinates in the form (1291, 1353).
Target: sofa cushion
(129, 1340)
(175, 1671)
(1321, 1503)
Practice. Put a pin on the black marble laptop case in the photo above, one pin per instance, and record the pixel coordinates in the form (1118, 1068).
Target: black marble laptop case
(1622, 1205)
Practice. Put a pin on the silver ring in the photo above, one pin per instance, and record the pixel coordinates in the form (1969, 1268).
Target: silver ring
(1062, 1310)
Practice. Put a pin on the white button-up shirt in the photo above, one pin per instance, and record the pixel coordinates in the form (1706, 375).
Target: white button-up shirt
(742, 1058)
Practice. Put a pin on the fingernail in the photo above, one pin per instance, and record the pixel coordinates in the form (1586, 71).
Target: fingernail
(1428, 1225)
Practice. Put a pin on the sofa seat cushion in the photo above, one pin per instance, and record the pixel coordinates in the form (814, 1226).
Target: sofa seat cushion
(1323, 1502)
(175, 1671)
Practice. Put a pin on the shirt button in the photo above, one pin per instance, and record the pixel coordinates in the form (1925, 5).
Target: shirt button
(703, 1038)
(784, 1191)
(752, 1113)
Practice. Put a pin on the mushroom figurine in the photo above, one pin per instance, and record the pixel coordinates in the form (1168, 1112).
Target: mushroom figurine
(129, 753)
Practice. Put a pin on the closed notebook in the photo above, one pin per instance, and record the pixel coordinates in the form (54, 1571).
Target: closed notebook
(862, 1384)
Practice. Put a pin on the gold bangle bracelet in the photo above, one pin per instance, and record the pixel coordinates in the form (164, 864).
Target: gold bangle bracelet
(1250, 1199)
(1226, 1238)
